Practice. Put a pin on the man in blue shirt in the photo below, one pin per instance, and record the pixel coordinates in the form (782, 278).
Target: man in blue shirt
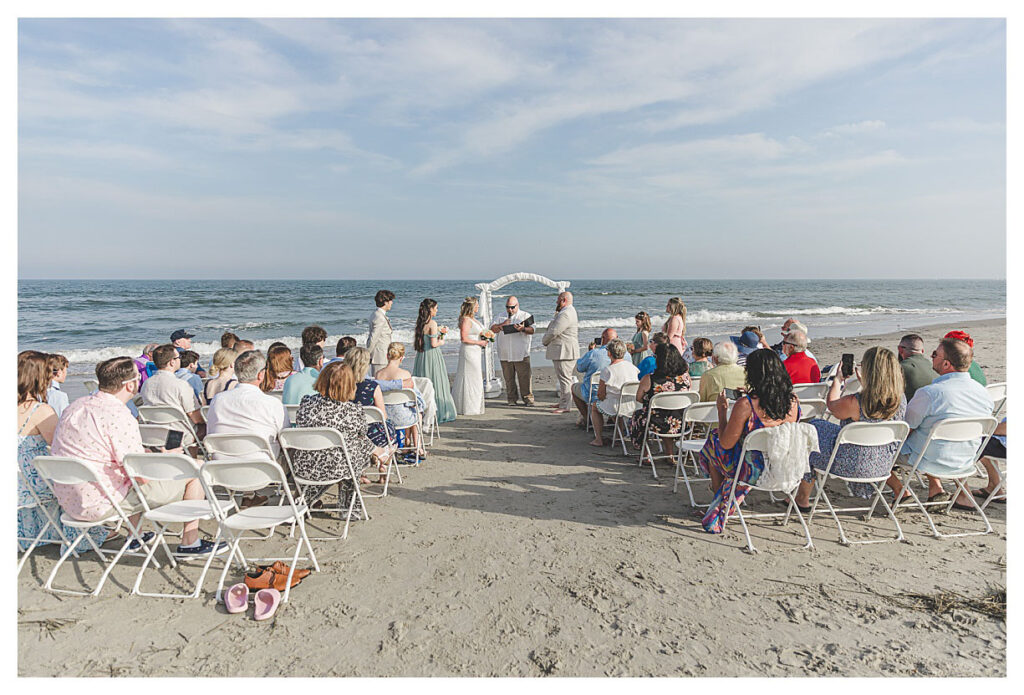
(592, 362)
(301, 383)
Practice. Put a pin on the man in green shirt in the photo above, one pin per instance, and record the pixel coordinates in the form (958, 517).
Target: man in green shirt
(917, 369)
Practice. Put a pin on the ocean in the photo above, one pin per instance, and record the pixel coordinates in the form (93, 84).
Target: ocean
(91, 320)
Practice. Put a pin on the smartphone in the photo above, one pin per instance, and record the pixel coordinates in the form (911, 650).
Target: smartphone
(847, 365)
(597, 341)
(733, 394)
(173, 439)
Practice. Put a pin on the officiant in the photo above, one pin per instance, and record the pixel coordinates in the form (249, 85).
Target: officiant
(512, 338)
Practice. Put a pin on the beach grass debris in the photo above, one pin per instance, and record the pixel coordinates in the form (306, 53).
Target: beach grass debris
(50, 625)
(992, 603)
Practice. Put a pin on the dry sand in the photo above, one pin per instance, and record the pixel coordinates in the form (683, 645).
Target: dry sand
(516, 549)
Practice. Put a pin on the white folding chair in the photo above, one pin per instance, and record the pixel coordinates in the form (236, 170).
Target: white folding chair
(811, 408)
(851, 386)
(174, 416)
(375, 415)
(426, 388)
(154, 436)
(591, 396)
(37, 503)
(624, 408)
(810, 391)
(960, 429)
(241, 445)
(319, 439)
(997, 392)
(758, 441)
(697, 416)
(407, 397)
(293, 412)
(171, 467)
(205, 410)
(868, 434)
(999, 491)
(67, 470)
(276, 393)
(249, 475)
(667, 400)
(91, 385)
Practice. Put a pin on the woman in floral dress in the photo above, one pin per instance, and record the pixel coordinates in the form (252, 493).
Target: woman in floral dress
(670, 374)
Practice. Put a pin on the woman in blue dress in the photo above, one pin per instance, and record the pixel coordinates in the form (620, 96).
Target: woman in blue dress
(429, 361)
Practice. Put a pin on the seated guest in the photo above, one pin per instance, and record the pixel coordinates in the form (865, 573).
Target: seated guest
(345, 344)
(801, 368)
(228, 340)
(701, 357)
(994, 448)
(953, 394)
(787, 326)
(726, 374)
(670, 375)
(311, 335)
(917, 369)
(222, 373)
(880, 399)
(98, 430)
(769, 402)
(36, 421)
(618, 372)
(279, 367)
(58, 368)
(368, 392)
(164, 388)
(245, 409)
(187, 371)
(243, 345)
(746, 342)
(332, 406)
(182, 340)
(649, 364)
(392, 377)
(756, 330)
(975, 370)
(301, 383)
(592, 362)
(144, 362)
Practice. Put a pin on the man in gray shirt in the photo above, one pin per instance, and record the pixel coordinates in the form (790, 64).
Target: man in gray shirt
(917, 369)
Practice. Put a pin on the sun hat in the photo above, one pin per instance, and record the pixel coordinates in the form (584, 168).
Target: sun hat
(747, 342)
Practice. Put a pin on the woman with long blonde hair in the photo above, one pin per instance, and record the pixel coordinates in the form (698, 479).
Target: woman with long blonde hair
(675, 326)
(222, 374)
(468, 389)
(880, 399)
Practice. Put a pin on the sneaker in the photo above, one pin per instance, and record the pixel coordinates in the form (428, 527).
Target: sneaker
(204, 548)
(528, 404)
(146, 538)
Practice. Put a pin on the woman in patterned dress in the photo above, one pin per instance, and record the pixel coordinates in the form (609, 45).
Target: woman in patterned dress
(669, 375)
(769, 402)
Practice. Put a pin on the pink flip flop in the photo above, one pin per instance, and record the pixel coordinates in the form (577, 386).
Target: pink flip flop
(237, 598)
(267, 601)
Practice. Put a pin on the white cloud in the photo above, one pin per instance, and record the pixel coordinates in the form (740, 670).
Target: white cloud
(856, 128)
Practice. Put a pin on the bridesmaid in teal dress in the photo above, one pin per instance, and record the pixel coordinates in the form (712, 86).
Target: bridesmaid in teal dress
(429, 362)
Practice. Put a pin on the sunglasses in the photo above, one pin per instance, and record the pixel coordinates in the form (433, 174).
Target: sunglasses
(935, 353)
(511, 306)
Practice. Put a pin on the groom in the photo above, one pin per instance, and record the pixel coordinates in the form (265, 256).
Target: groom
(379, 336)
(563, 348)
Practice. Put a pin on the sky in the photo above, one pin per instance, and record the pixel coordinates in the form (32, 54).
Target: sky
(437, 149)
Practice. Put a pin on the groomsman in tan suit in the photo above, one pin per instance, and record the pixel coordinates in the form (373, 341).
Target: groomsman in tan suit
(563, 348)
(379, 337)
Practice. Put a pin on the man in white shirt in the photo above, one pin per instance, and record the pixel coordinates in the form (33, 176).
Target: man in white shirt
(245, 409)
(619, 372)
(514, 352)
(164, 388)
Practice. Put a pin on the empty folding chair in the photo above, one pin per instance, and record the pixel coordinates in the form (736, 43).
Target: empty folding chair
(33, 501)
(624, 408)
(811, 408)
(249, 475)
(319, 439)
(998, 394)
(176, 418)
(667, 400)
(810, 391)
(426, 388)
(171, 467)
(698, 418)
(961, 429)
(871, 434)
(407, 397)
(71, 471)
(375, 415)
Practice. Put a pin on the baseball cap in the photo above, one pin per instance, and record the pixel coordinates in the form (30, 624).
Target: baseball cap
(747, 342)
(962, 336)
(181, 333)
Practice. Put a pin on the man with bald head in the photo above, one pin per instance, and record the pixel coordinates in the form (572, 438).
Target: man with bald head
(563, 347)
(593, 362)
(514, 352)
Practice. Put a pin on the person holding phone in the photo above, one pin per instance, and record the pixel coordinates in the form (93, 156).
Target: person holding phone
(801, 368)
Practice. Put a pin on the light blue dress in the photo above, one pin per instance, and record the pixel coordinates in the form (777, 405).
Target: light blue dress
(430, 364)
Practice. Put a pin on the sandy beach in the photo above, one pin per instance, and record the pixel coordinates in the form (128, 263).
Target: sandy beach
(518, 550)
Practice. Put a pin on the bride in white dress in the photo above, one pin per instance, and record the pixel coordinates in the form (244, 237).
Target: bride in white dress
(468, 389)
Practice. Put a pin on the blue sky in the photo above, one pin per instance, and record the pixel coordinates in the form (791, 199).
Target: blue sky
(470, 148)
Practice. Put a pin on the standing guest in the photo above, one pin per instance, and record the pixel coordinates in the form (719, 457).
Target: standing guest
(332, 406)
(769, 402)
(163, 388)
(917, 369)
(36, 421)
(279, 368)
(880, 399)
(468, 389)
(649, 364)
(301, 383)
(55, 398)
(594, 360)
(182, 340)
(975, 370)
(392, 377)
(514, 352)
(675, 326)
(228, 340)
(701, 357)
(222, 373)
(311, 335)
(144, 362)
(368, 392)
(726, 374)
(345, 344)
(243, 345)
(429, 362)
(563, 348)
(670, 375)
(187, 371)
(609, 388)
(953, 394)
(246, 409)
(801, 368)
(379, 336)
(639, 344)
(99, 431)
(746, 343)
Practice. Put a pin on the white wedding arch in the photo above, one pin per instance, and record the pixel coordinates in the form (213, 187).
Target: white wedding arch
(492, 385)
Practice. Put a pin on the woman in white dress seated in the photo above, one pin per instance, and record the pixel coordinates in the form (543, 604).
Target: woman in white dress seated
(468, 390)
